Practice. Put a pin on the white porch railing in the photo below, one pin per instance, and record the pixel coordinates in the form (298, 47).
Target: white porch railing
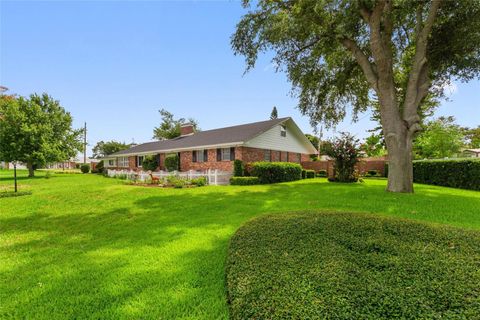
(214, 177)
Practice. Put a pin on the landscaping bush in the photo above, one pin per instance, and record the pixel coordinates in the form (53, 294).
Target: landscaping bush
(304, 174)
(272, 172)
(291, 266)
(309, 174)
(244, 181)
(171, 162)
(199, 182)
(100, 167)
(322, 173)
(372, 173)
(238, 168)
(150, 163)
(345, 152)
(464, 174)
(85, 168)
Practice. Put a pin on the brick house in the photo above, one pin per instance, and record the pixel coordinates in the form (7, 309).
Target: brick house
(272, 140)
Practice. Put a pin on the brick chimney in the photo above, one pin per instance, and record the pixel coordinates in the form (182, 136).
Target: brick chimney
(186, 129)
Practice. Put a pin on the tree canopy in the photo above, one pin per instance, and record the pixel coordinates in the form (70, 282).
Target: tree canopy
(36, 131)
(102, 148)
(362, 53)
(440, 138)
(169, 128)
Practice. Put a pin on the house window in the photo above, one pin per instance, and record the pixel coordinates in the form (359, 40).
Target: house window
(226, 154)
(267, 155)
(140, 160)
(283, 130)
(111, 163)
(277, 156)
(123, 162)
(200, 156)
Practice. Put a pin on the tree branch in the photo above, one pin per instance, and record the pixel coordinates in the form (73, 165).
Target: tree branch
(367, 67)
(418, 82)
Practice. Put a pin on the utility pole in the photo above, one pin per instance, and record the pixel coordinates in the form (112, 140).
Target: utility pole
(85, 144)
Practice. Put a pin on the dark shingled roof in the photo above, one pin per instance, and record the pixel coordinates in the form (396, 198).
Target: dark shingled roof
(240, 133)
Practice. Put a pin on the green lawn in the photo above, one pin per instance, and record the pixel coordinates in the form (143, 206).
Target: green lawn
(84, 246)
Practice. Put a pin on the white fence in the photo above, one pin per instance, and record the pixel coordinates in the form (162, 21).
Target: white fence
(214, 177)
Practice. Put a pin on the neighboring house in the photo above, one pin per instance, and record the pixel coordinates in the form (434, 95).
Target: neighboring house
(272, 140)
(72, 163)
(9, 165)
(471, 153)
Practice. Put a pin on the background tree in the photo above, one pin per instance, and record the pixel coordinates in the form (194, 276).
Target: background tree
(440, 138)
(274, 114)
(341, 53)
(169, 127)
(313, 139)
(373, 145)
(472, 137)
(102, 148)
(37, 131)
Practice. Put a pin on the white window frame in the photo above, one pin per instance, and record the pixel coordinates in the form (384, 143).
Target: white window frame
(123, 162)
(138, 160)
(226, 156)
(267, 155)
(283, 130)
(111, 162)
(199, 154)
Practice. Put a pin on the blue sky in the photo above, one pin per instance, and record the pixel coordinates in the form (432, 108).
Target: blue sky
(114, 64)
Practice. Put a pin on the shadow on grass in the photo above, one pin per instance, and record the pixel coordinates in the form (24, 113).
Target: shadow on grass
(160, 253)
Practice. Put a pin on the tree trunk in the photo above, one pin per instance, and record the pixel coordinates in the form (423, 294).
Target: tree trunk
(31, 171)
(400, 164)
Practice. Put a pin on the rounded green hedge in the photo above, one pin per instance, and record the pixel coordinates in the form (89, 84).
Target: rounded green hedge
(273, 172)
(352, 266)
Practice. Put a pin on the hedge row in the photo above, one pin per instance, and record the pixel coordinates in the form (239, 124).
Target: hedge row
(244, 181)
(464, 174)
(273, 172)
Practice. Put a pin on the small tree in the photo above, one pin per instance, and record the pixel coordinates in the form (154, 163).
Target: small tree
(172, 162)
(36, 131)
(150, 163)
(104, 148)
(169, 128)
(274, 114)
(345, 152)
(440, 138)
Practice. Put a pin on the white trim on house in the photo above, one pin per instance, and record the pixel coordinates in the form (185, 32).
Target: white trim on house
(293, 140)
(212, 146)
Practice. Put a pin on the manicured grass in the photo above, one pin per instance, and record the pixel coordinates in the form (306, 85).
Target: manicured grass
(85, 246)
(352, 266)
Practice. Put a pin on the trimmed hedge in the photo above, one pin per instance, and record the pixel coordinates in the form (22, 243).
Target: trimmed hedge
(304, 173)
(273, 172)
(85, 168)
(317, 265)
(244, 181)
(322, 173)
(309, 174)
(464, 174)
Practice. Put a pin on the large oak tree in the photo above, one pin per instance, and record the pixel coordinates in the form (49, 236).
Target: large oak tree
(342, 53)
